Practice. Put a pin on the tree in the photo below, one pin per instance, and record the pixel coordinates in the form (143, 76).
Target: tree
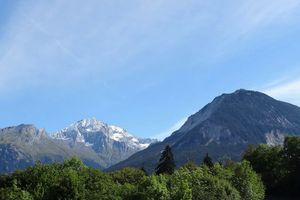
(179, 186)
(14, 193)
(291, 162)
(208, 161)
(267, 161)
(99, 185)
(279, 166)
(166, 163)
(200, 184)
(73, 163)
(153, 188)
(190, 165)
(73, 180)
(128, 175)
(247, 182)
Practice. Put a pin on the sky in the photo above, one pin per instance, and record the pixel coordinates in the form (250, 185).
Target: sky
(141, 65)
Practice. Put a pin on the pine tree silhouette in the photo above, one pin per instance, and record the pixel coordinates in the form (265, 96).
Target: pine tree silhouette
(166, 163)
(208, 161)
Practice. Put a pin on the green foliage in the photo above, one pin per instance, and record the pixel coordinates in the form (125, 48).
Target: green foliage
(69, 180)
(247, 182)
(73, 163)
(268, 162)
(14, 193)
(153, 188)
(73, 180)
(128, 175)
(201, 184)
(278, 166)
(166, 163)
(99, 185)
(190, 165)
(180, 186)
(127, 180)
(291, 158)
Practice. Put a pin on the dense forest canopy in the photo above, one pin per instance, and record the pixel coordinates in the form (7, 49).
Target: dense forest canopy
(231, 180)
(279, 167)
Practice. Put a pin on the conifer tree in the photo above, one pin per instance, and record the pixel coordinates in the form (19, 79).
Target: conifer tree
(144, 170)
(208, 161)
(166, 163)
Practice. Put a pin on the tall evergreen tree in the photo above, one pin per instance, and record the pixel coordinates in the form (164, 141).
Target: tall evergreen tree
(208, 161)
(166, 163)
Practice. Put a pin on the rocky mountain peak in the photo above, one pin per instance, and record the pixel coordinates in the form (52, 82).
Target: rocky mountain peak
(95, 142)
(24, 130)
(224, 128)
(109, 140)
(23, 133)
(82, 131)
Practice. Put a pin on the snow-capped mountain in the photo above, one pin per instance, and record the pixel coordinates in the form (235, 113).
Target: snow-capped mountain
(111, 142)
(97, 144)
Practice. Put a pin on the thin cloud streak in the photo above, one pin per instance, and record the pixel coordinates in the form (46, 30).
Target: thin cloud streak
(287, 91)
(248, 18)
(169, 131)
(94, 44)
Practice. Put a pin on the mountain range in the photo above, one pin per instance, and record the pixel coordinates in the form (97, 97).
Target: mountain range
(223, 129)
(98, 144)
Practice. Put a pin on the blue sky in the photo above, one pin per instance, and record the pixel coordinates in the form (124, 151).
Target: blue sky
(142, 65)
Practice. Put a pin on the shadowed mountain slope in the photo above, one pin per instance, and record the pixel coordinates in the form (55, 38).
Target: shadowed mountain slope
(224, 128)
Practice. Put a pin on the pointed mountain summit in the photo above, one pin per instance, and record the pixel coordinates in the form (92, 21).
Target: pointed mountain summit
(85, 131)
(110, 142)
(224, 128)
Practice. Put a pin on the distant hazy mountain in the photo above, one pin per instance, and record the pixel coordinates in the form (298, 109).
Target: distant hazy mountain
(112, 143)
(97, 144)
(224, 128)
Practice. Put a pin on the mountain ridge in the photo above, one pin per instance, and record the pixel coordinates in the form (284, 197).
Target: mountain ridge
(21, 146)
(224, 128)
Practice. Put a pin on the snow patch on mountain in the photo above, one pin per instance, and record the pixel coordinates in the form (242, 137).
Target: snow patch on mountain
(83, 130)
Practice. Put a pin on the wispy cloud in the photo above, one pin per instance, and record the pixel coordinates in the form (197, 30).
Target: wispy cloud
(246, 19)
(94, 38)
(170, 130)
(286, 90)
(49, 40)
(253, 15)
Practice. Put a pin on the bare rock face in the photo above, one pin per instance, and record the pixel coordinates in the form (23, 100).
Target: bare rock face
(224, 128)
(12, 158)
(95, 143)
(23, 145)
